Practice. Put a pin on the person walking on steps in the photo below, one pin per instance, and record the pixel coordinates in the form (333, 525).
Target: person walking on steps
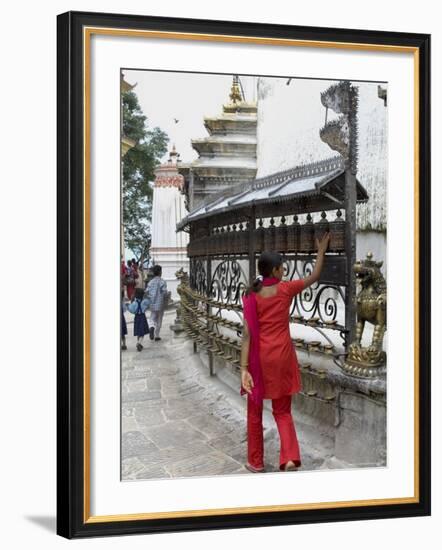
(157, 293)
(269, 366)
(138, 308)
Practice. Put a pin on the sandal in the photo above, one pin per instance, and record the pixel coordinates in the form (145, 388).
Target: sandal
(253, 469)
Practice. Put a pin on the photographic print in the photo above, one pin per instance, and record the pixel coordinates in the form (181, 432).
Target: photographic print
(243, 281)
(253, 274)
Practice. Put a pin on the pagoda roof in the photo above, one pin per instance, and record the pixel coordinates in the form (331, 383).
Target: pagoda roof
(231, 138)
(233, 117)
(225, 148)
(322, 183)
(242, 107)
(224, 162)
(125, 86)
(231, 124)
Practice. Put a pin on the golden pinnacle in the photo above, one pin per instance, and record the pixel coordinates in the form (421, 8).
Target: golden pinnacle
(235, 92)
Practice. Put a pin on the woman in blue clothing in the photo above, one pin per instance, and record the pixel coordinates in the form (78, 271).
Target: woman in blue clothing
(138, 307)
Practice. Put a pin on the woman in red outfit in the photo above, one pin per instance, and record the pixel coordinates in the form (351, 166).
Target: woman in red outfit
(269, 366)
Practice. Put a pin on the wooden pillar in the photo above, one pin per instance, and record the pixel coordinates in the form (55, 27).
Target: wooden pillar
(350, 250)
(252, 227)
(209, 323)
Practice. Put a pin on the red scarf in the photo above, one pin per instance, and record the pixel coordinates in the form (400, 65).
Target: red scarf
(251, 316)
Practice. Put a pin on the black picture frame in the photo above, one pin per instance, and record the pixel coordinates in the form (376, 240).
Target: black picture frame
(72, 520)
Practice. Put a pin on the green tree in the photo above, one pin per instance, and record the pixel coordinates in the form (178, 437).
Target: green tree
(139, 164)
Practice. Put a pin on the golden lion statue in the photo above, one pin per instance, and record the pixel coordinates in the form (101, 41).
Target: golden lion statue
(371, 306)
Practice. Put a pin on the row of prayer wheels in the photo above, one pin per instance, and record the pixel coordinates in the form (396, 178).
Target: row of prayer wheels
(200, 331)
(285, 237)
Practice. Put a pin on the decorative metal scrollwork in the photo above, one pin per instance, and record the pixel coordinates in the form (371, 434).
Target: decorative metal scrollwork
(198, 276)
(228, 282)
(320, 302)
(319, 305)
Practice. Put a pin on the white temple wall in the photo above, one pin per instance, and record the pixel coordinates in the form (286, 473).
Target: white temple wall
(289, 119)
(167, 210)
(168, 247)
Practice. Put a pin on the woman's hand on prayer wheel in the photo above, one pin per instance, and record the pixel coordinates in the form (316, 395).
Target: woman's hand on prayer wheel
(322, 244)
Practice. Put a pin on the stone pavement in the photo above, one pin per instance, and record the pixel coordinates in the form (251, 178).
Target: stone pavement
(178, 421)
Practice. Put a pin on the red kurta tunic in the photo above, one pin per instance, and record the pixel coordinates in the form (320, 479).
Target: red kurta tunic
(279, 364)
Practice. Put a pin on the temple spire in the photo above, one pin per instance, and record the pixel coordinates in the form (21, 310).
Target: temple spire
(227, 155)
(174, 157)
(235, 92)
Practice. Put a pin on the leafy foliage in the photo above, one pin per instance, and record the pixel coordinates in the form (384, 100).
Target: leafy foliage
(139, 164)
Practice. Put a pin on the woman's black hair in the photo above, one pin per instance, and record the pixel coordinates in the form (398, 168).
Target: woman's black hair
(139, 293)
(266, 262)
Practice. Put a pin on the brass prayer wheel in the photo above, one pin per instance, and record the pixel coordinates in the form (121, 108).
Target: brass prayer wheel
(233, 240)
(243, 239)
(269, 236)
(259, 237)
(293, 235)
(222, 241)
(321, 227)
(229, 238)
(281, 236)
(211, 243)
(337, 234)
(307, 243)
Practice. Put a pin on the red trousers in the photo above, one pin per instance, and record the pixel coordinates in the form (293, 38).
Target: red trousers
(282, 413)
